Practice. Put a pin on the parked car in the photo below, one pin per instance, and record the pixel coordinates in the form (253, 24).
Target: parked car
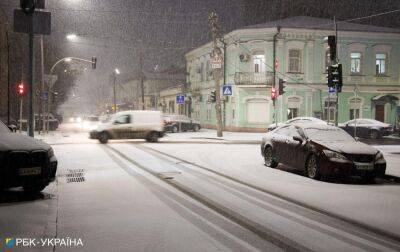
(135, 124)
(297, 120)
(25, 161)
(13, 123)
(176, 123)
(322, 151)
(367, 128)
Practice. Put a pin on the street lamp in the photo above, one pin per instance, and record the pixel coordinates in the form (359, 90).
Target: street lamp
(115, 73)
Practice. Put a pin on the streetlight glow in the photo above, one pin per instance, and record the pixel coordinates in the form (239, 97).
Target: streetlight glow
(117, 71)
(67, 59)
(71, 36)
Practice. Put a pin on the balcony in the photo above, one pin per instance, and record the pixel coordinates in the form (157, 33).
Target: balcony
(250, 78)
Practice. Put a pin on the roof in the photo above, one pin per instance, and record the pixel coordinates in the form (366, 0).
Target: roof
(306, 22)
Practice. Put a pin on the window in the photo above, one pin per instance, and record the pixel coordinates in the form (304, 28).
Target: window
(259, 63)
(294, 60)
(355, 108)
(123, 120)
(208, 114)
(171, 107)
(355, 63)
(330, 109)
(380, 64)
(293, 104)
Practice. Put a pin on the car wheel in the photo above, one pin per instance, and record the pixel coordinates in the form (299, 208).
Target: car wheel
(312, 167)
(196, 128)
(103, 138)
(152, 137)
(373, 134)
(32, 189)
(269, 157)
(174, 129)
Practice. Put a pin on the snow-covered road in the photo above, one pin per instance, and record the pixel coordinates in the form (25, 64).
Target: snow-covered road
(191, 193)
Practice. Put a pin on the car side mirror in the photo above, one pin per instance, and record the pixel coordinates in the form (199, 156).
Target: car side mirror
(298, 139)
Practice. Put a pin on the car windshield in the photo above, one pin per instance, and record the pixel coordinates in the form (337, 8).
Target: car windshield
(328, 134)
(3, 128)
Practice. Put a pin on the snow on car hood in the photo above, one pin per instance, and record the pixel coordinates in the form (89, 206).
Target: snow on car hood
(348, 147)
(14, 141)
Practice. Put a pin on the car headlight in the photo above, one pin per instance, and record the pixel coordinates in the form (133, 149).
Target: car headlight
(379, 159)
(333, 154)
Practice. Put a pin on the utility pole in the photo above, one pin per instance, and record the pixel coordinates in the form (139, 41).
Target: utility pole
(141, 78)
(31, 79)
(8, 77)
(41, 113)
(114, 94)
(216, 65)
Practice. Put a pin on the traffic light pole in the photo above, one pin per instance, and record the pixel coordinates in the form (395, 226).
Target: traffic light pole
(336, 88)
(31, 78)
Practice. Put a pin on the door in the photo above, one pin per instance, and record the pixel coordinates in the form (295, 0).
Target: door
(294, 149)
(380, 113)
(280, 139)
(122, 127)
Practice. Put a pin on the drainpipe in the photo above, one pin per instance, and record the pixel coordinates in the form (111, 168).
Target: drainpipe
(274, 69)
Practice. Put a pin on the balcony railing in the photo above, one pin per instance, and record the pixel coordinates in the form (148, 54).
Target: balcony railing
(249, 78)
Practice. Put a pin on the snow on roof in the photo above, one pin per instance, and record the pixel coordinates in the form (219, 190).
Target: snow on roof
(306, 22)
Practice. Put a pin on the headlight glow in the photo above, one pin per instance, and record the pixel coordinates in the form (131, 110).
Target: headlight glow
(78, 119)
(332, 154)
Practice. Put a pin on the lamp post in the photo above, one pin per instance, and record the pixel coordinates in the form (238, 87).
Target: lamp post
(115, 73)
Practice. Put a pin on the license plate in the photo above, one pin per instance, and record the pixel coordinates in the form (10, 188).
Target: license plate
(30, 171)
(366, 167)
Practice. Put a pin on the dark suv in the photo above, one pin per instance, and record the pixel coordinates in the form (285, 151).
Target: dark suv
(25, 161)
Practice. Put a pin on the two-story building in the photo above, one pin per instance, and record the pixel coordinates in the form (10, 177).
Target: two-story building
(295, 50)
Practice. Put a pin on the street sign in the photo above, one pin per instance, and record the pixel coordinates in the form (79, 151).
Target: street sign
(227, 90)
(180, 99)
(45, 96)
(216, 62)
(331, 90)
(41, 22)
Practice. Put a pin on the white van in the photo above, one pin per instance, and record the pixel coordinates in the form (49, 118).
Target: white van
(135, 124)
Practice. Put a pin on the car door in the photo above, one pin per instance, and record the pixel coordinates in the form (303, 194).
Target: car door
(121, 127)
(280, 137)
(295, 149)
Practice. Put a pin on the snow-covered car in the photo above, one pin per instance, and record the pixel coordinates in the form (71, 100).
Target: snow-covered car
(297, 120)
(322, 151)
(367, 128)
(176, 123)
(135, 124)
(25, 161)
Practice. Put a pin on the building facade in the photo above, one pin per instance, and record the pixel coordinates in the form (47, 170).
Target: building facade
(295, 50)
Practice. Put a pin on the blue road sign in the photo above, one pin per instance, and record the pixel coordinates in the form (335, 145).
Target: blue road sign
(331, 90)
(227, 90)
(45, 95)
(180, 99)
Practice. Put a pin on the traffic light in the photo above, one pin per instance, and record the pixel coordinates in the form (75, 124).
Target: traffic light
(94, 62)
(281, 86)
(335, 77)
(28, 6)
(21, 90)
(274, 95)
(332, 47)
(213, 97)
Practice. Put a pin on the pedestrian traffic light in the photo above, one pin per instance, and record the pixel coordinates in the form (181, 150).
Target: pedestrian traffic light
(21, 90)
(28, 6)
(213, 97)
(273, 93)
(335, 78)
(332, 47)
(281, 86)
(94, 62)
